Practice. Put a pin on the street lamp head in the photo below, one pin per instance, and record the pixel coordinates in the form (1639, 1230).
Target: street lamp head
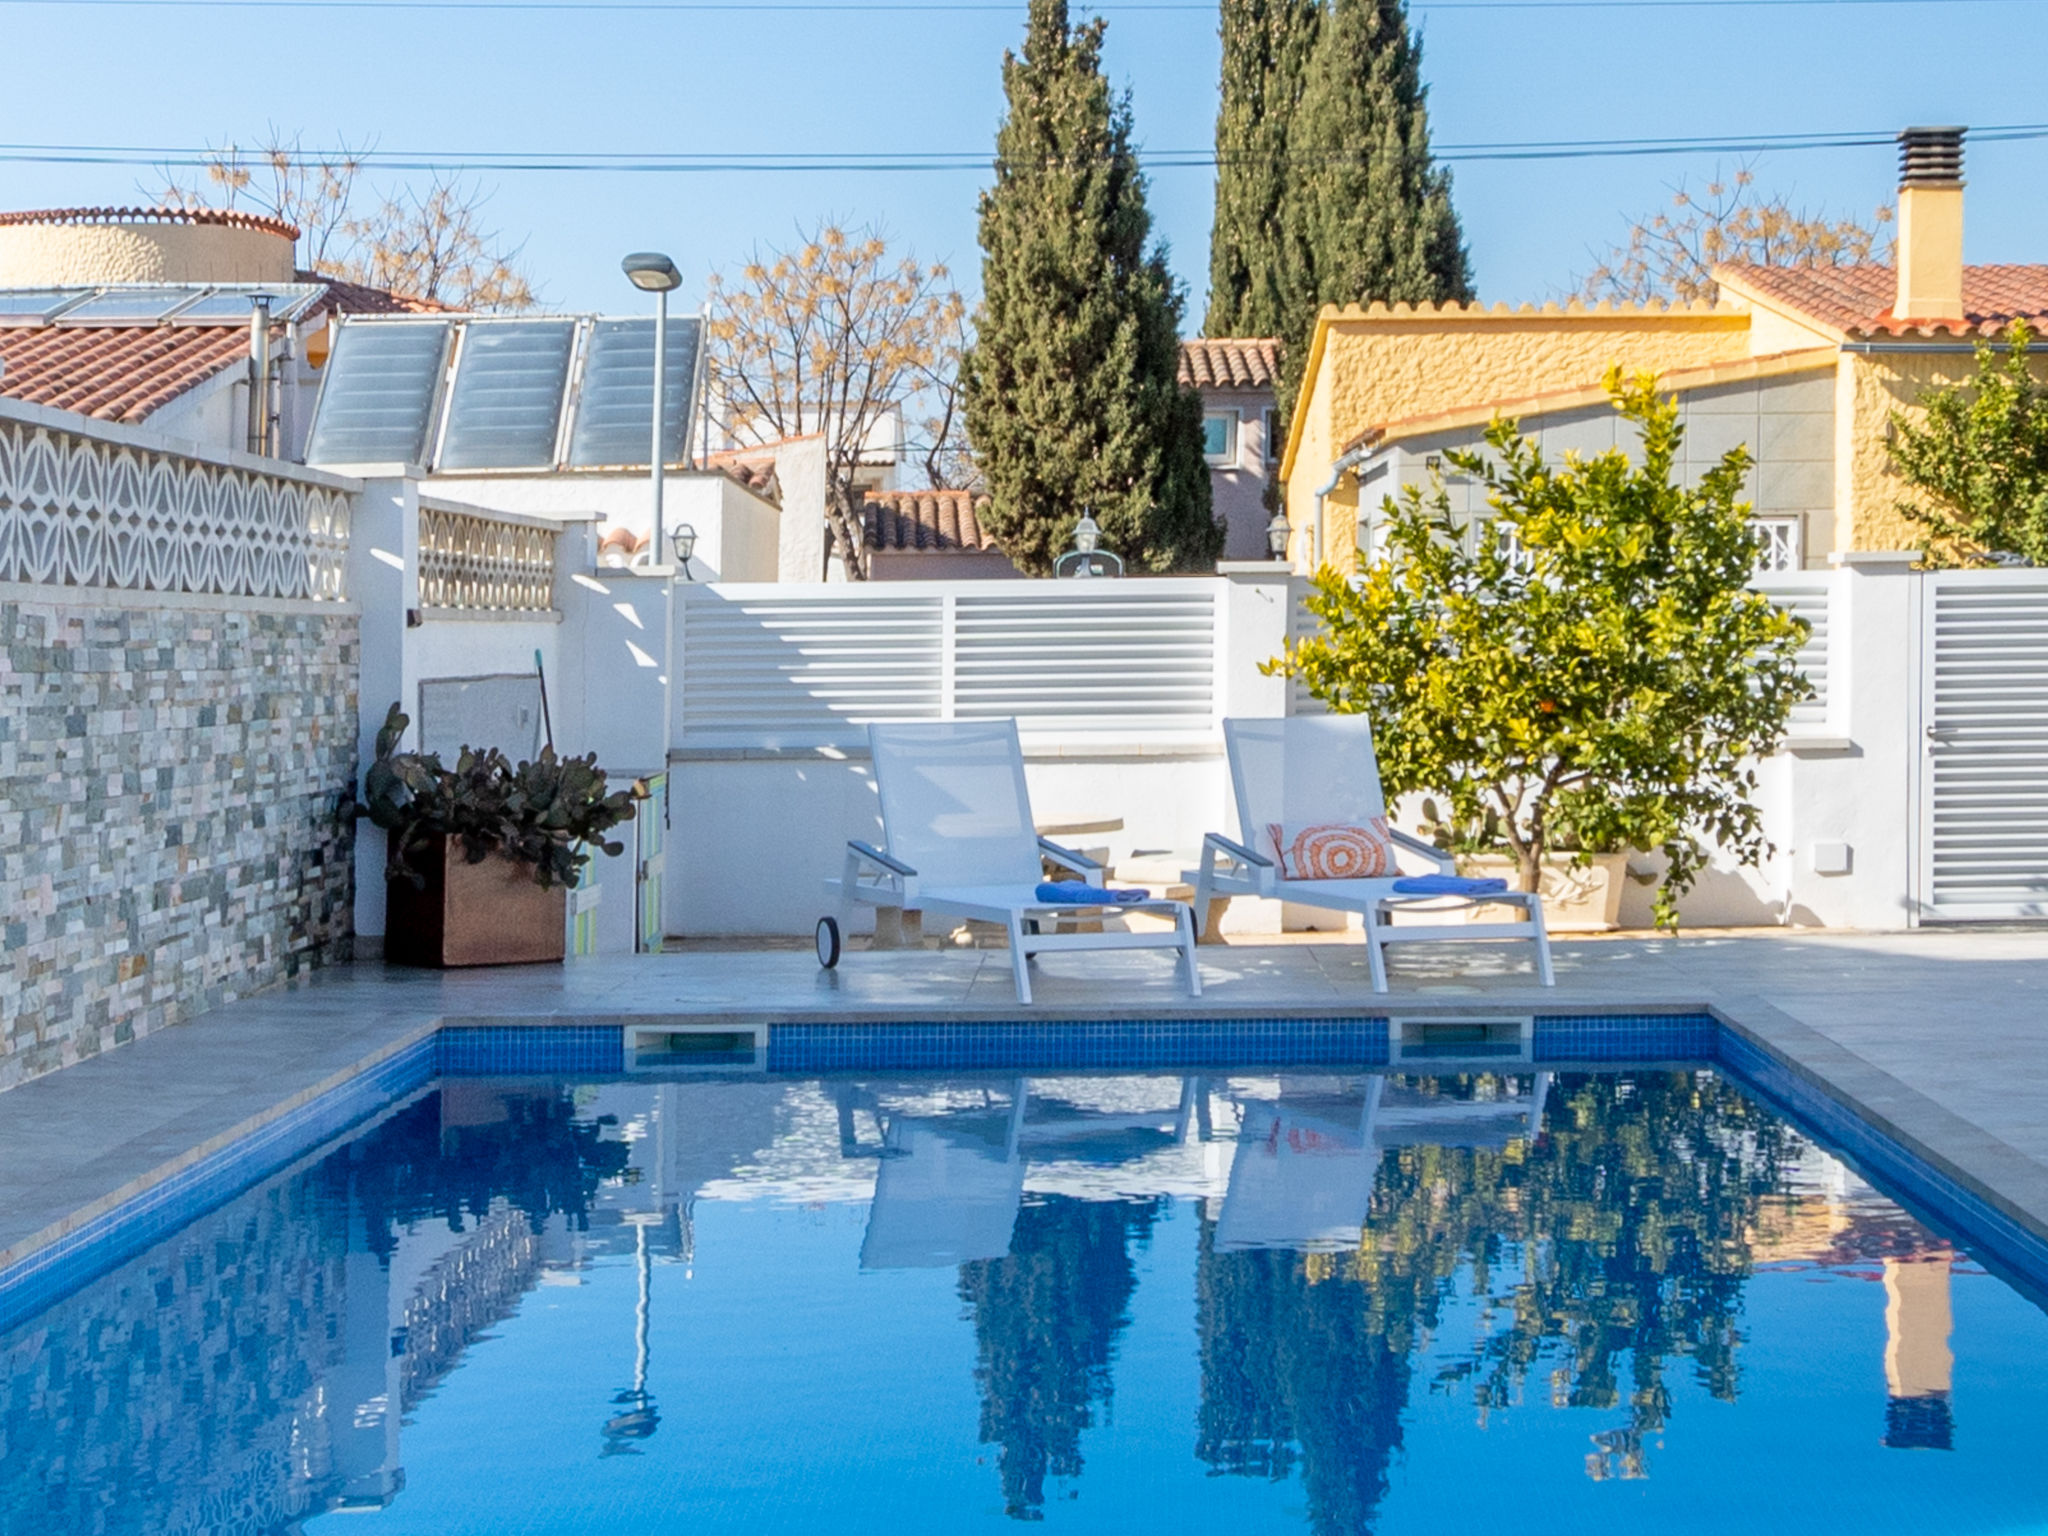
(1086, 534)
(652, 271)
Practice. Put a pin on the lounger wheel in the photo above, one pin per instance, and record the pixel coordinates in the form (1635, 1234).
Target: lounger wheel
(828, 942)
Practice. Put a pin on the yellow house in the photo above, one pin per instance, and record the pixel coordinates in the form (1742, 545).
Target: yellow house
(1803, 365)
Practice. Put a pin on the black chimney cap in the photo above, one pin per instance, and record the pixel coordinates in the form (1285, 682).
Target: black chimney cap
(1931, 157)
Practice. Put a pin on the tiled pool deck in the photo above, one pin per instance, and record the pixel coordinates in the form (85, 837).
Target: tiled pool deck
(1939, 1040)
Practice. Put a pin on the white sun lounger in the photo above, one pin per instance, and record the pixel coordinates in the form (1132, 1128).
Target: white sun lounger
(960, 843)
(1318, 770)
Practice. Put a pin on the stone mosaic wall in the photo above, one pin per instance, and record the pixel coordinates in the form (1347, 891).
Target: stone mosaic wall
(170, 772)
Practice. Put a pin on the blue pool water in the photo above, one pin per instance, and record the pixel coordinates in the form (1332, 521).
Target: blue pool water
(1311, 1301)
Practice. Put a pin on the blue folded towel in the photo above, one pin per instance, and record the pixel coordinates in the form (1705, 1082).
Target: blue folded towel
(1448, 885)
(1080, 893)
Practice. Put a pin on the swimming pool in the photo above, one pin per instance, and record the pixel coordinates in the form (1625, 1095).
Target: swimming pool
(1317, 1297)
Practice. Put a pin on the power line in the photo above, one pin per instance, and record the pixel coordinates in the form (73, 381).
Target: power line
(960, 7)
(460, 162)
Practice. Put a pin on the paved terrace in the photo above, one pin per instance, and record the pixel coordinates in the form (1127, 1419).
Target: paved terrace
(1940, 1038)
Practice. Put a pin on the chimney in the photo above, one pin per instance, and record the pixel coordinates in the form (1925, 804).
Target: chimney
(1930, 254)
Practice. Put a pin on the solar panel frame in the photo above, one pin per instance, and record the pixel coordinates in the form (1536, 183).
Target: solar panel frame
(347, 333)
(51, 303)
(616, 383)
(477, 367)
(145, 304)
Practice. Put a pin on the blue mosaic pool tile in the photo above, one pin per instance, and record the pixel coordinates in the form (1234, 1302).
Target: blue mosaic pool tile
(1074, 1044)
(115, 1236)
(1973, 1221)
(498, 1050)
(1625, 1037)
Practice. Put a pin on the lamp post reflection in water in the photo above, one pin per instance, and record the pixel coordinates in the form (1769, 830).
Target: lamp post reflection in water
(637, 1418)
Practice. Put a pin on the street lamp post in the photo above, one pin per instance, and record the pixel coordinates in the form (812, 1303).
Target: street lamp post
(654, 273)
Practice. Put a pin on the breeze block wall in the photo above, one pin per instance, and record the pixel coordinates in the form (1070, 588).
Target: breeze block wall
(171, 774)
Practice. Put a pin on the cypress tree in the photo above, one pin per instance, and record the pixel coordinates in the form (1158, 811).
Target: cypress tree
(1072, 388)
(1254, 258)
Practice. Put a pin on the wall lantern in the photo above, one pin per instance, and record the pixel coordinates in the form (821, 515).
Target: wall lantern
(1084, 559)
(684, 542)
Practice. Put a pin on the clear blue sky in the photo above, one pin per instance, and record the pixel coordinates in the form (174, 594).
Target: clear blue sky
(893, 82)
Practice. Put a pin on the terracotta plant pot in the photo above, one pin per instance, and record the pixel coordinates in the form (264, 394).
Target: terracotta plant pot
(1576, 898)
(491, 913)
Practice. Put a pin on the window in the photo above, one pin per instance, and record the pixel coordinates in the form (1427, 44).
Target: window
(1219, 437)
(1276, 437)
(1780, 546)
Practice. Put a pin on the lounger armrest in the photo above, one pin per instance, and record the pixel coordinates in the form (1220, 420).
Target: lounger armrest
(1237, 851)
(1443, 861)
(875, 856)
(1068, 858)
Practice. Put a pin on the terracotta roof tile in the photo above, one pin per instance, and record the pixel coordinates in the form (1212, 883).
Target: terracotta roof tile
(126, 372)
(1229, 363)
(114, 373)
(931, 522)
(359, 299)
(1857, 300)
(753, 468)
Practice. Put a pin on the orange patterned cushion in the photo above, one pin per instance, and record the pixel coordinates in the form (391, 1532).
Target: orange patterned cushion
(1334, 852)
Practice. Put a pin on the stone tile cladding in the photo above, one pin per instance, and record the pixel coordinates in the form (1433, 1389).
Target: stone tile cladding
(169, 783)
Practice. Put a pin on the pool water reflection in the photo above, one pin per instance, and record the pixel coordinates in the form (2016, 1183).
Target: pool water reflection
(1332, 1304)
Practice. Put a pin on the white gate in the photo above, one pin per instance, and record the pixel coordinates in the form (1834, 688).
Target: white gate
(1984, 750)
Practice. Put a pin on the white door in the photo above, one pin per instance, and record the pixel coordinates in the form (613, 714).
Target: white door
(1984, 752)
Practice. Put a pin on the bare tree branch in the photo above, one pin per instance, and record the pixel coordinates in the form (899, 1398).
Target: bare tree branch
(833, 337)
(1672, 255)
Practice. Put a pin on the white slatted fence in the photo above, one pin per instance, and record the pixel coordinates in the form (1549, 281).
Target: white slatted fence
(1984, 774)
(780, 666)
(1805, 596)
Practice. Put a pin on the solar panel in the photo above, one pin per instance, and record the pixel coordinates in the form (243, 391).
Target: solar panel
(134, 306)
(377, 393)
(226, 305)
(34, 303)
(614, 407)
(505, 405)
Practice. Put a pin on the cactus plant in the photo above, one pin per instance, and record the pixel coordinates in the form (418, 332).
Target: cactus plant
(542, 813)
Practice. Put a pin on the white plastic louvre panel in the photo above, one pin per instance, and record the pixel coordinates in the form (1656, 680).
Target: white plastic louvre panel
(1301, 624)
(1128, 659)
(768, 667)
(378, 393)
(505, 406)
(1986, 764)
(614, 404)
(1806, 597)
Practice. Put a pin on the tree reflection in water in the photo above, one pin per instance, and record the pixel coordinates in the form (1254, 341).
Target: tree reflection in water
(1616, 1240)
(1046, 1318)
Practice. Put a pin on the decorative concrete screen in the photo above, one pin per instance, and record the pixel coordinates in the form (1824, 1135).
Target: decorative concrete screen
(765, 667)
(496, 564)
(85, 507)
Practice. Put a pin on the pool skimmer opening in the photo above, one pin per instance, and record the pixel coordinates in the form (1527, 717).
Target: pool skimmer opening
(1482, 1040)
(672, 1050)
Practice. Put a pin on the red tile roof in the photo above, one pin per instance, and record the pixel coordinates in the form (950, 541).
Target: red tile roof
(1229, 363)
(929, 522)
(114, 372)
(127, 372)
(1857, 300)
(358, 299)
